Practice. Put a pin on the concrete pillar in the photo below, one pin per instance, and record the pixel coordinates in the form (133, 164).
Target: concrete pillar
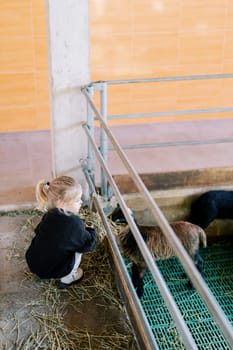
(69, 69)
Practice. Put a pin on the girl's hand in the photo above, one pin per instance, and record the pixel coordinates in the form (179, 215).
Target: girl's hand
(89, 224)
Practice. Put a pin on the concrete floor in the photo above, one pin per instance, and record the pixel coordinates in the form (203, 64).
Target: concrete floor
(175, 158)
(26, 157)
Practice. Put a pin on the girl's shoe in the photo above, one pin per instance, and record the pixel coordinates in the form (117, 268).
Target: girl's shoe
(77, 276)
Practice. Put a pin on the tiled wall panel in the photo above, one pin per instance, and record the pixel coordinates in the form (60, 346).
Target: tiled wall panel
(129, 39)
(24, 102)
(164, 38)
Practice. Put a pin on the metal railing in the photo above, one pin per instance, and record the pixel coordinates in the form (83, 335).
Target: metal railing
(102, 88)
(200, 285)
(145, 329)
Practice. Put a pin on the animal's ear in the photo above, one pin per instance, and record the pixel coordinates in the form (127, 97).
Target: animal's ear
(118, 205)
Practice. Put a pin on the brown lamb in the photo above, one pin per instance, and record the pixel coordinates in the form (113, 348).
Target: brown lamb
(191, 236)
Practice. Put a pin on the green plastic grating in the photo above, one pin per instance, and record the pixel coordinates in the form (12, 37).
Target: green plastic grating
(218, 268)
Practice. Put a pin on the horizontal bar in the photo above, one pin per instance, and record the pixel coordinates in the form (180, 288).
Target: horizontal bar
(159, 79)
(175, 143)
(170, 113)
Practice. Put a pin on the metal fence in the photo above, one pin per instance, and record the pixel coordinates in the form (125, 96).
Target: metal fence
(107, 179)
(102, 88)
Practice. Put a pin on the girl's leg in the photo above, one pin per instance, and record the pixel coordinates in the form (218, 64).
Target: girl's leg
(75, 274)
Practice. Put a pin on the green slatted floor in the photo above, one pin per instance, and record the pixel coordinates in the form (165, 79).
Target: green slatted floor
(219, 275)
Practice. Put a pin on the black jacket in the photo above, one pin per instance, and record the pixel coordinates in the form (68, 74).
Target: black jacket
(58, 237)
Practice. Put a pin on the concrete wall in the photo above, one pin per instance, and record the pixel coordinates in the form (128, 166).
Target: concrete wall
(175, 205)
(69, 69)
(174, 192)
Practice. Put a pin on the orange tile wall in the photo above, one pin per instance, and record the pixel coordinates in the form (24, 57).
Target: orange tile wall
(158, 38)
(129, 39)
(24, 101)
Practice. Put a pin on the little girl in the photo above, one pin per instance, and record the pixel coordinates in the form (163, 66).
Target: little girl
(61, 237)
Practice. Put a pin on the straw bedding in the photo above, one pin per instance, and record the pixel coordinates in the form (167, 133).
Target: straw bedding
(88, 315)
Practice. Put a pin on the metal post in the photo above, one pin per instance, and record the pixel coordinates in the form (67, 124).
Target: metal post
(90, 122)
(103, 138)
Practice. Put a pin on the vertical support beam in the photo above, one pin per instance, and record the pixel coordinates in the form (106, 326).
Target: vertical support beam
(90, 122)
(103, 138)
(69, 69)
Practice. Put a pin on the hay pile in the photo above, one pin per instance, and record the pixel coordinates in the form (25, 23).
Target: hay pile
(53, 319)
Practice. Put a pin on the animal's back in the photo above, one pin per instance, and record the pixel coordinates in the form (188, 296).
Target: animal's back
(191, 236)
(184, 228)
(222, 198)
(211, 205)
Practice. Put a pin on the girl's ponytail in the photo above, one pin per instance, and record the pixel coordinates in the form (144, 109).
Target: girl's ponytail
(42, 189)
(62, 188)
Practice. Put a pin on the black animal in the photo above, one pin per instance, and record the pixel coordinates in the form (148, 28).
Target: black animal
(211, 205)
(190, 235)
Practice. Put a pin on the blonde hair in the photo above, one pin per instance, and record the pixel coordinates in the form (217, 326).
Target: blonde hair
(63, 188)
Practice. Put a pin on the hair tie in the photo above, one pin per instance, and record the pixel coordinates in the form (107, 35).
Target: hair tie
(46, 186)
